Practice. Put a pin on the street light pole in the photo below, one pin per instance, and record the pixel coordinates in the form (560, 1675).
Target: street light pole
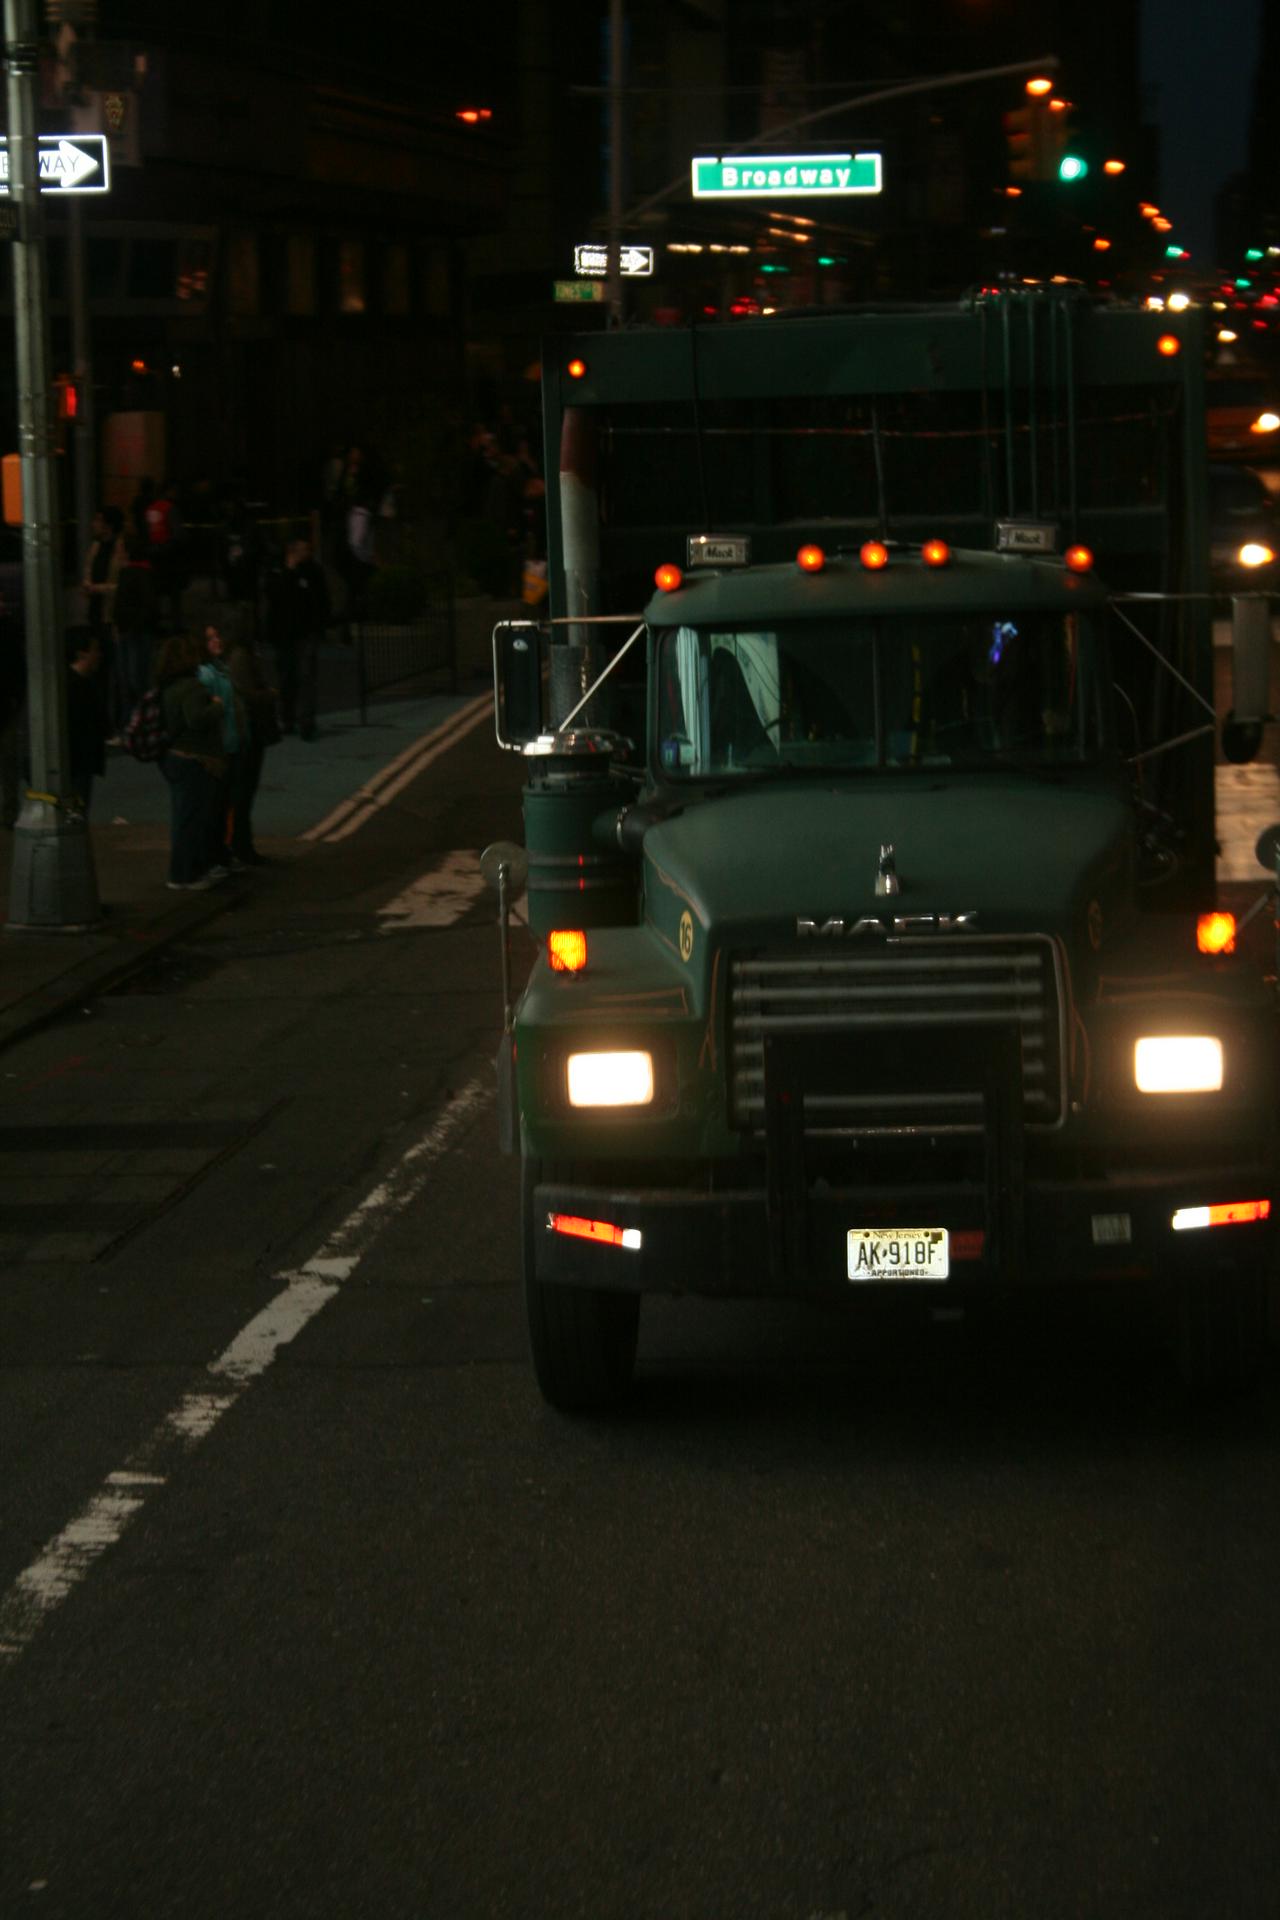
(616, 147)
(53, 887)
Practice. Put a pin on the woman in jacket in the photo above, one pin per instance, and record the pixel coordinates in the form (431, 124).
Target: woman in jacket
(258, 698)
(193, 763)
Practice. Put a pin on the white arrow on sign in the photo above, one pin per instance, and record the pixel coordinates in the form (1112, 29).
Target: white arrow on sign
(68, 165)
(65, 165)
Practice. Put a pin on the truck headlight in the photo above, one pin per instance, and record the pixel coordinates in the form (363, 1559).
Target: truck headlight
(610, 1079)
(1178, 1063)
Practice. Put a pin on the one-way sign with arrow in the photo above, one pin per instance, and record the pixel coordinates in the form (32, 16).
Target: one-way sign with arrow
(68, 163)
(594, 259)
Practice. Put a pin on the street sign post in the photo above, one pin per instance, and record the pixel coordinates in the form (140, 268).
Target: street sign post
(66, 163)
(593, 258)
(754, 176)
(587, 290)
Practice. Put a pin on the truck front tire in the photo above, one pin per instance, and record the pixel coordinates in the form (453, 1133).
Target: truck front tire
(582, 1339)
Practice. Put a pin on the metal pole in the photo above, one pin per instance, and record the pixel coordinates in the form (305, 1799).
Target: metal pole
(53, 886)
(616, 139)
(82, 372)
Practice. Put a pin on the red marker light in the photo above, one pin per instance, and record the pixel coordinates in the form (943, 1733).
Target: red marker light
(577, 369)
(935, 553)
(603, 1232)
(668, 578)
(1079, 559)
(472, 115)
(811, 559)
(874, 555)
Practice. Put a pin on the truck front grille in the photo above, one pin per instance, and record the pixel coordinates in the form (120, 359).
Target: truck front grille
(916, 985)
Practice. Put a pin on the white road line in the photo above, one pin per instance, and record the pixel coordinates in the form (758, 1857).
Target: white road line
(427, 748)
(64, 1562)
(439, 898)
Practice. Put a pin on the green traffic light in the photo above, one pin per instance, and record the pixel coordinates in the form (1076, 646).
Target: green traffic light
(1244, 283)
(1072, 167)
(1173, 253)
(1253, 253)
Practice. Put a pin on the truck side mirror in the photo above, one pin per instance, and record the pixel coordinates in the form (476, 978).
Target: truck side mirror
(1250, 677)
(517, 683)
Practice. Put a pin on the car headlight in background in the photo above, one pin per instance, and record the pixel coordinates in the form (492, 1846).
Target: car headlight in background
(1266, 422)
(1254, 554)
(610, 1079)
(1178, 1063)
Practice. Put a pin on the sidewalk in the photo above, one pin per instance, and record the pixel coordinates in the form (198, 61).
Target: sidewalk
(303, 783)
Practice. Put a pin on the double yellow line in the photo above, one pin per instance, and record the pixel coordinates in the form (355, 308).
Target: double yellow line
(381, 790)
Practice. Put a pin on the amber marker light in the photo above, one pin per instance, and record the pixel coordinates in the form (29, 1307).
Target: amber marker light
(1228, 1213)
(1038, 86)
(577, 369)
(935, 553)
(1216, 933)
(1113, 166)
(1168, 344)
(567, 950)
(811, 559)
(668, 577)
(1101, 245)
(874, 555)
(603, 1232)
(1079, 559)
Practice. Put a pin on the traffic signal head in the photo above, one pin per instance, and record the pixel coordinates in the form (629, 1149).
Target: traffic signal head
(1025, 133)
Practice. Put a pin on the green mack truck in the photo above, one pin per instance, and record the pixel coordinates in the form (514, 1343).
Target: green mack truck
(870, 747)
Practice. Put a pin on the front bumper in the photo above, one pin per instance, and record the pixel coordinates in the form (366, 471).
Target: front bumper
(733, 1242)
(779, 1225)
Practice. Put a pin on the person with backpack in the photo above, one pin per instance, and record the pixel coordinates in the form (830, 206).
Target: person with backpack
(193, 762)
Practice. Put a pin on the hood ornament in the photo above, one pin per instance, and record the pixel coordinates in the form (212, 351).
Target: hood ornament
(887, 873)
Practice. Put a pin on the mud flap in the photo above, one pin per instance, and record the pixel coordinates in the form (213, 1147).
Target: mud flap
(504, 1064)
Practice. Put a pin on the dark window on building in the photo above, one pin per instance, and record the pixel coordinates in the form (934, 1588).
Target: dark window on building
(104, 259)
(152, 269)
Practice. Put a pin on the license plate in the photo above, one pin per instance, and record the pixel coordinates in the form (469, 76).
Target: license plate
(899, 1253)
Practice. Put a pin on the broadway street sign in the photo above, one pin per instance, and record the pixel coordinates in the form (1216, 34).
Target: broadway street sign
(67, 163)
(772, 176)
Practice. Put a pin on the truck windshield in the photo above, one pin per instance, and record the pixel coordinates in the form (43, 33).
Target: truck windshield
(971, 689)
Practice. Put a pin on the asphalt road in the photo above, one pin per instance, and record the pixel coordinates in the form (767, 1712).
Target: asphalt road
(309, 1607)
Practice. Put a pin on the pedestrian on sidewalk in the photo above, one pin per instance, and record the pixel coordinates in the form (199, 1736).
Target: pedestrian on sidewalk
(297, 615)
(86, 711)
(258, 698)
(214, 676)
(166, 549)
(101, 573)
(193, 761)
(137, 617)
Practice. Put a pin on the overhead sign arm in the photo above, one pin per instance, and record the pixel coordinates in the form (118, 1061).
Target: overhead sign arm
(937, 83)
